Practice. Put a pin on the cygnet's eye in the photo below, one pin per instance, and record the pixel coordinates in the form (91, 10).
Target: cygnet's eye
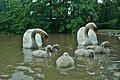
(92, 56)
(57, 48)
(50, 50)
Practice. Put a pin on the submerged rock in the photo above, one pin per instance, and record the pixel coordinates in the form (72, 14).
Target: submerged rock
(4, 76)
(40, 75)
(24, 68)
(119, 38)
(90, 73)
(117, 74)
(19, 75)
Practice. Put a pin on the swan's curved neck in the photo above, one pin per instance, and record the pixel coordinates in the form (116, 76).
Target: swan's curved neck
(86, 32)
(38, 32)
(41, 32)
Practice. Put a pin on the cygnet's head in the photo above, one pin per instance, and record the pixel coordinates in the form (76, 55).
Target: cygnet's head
(56, 46)
(105, 44)
(49, 47)
(65, 54)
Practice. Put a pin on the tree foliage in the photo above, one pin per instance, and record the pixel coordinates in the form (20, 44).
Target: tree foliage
(16, 16)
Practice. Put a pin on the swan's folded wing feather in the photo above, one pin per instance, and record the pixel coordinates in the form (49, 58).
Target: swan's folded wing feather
(38, 40)
(92, 36)
(80, 36)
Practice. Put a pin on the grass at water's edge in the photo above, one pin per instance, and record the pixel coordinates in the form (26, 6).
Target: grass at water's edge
(107, 30)
(98, 31)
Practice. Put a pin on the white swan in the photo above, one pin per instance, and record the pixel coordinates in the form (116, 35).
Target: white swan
(84, 52)
(42, 53)
(65, 61)
(86, 35)
(102, 49)
(32, 38)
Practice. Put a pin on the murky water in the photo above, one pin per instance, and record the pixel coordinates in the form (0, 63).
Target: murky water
(16, 64)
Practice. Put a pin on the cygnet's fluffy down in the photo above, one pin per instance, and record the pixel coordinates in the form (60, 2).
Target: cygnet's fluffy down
(65, 61)
(102, 49)
(43, 53)
(84, 52)
(105, 44)
(55, 48)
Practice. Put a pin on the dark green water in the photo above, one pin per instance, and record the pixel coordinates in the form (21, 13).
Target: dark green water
(16, 65)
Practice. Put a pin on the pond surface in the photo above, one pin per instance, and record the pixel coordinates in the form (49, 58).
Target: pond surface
(16, 64)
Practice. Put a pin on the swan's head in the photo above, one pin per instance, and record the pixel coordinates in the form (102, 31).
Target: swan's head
(65, 54)
(43, 34)
(46, 38)
(105, 44)
(91, 25)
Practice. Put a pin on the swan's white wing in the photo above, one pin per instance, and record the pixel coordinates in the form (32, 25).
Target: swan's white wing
(92, 36)
(80, 36)
(38, 40)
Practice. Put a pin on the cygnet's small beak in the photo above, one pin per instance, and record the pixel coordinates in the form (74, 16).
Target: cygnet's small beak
(51, 51)
(93, 56)
(108, 46)
(58, 48)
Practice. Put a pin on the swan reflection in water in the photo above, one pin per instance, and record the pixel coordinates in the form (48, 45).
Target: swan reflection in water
(19, 75)
(28, 58)
(28, 55)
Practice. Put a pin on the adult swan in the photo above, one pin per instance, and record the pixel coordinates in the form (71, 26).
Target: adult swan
(86, 35)
(32, 38)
